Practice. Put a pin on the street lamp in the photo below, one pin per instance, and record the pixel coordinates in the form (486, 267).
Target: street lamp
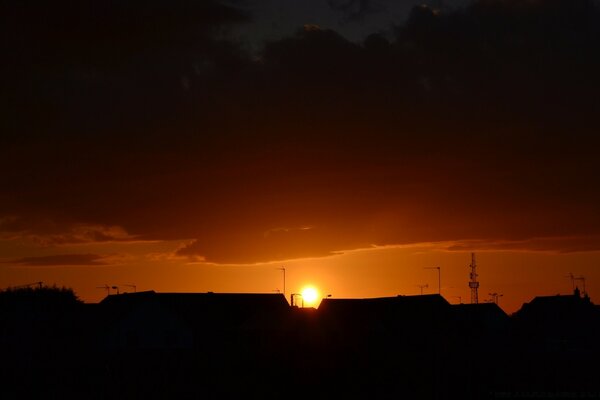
(439, 278)
(283, 269)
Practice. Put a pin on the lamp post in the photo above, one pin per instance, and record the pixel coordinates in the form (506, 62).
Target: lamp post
(283, 269)
(439, 278)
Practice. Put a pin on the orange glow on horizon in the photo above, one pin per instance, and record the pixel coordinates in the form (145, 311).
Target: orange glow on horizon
(377, 272)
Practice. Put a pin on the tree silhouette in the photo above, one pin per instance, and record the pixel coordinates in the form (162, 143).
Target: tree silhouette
(48, 295)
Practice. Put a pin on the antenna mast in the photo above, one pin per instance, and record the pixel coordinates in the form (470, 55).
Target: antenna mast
(473, 283)
(572, 281)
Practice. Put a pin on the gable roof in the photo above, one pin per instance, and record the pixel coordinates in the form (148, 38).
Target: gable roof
(480, 310)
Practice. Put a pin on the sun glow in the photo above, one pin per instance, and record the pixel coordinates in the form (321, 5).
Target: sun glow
(310, 295)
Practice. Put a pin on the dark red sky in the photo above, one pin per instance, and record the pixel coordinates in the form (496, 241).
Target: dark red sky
(157, 122)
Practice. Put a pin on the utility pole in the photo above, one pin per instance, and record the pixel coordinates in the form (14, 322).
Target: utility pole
(422, 287)
(439, 270)
(473, 283)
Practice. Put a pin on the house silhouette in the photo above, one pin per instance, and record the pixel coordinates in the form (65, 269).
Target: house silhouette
(232, 345)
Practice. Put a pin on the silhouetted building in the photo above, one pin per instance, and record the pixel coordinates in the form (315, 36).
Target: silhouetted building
(191, 320)
(213, 345)
(481, 321)
(567, 323)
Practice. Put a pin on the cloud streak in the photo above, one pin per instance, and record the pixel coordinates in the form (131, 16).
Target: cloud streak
(47, 232)
(61, 260)
(544, 244)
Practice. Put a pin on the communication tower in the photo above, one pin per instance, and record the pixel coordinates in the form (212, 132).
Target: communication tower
(473, 283)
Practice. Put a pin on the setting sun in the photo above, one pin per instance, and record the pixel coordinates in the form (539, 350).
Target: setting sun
(310, 295)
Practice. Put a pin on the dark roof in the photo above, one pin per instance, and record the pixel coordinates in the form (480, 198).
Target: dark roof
(220, 309)
(393, 313)
(557, 303)
(237, 300)
(243, 300)
(482, 317)
(559, 310)
(127, 297)
(480, 309)
(425, 301)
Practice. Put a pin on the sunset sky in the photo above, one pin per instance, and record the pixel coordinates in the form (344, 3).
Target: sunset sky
(200, 145)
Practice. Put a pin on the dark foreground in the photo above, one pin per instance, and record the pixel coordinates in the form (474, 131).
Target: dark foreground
(203, 346)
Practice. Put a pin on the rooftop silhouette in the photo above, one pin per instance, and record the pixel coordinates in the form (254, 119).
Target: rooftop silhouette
(189, 345)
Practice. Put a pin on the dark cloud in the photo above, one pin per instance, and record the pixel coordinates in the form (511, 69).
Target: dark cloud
(354, 10)
(102, 34)
(50, 233)
(96, 66)
(475, 124)
(60, 260)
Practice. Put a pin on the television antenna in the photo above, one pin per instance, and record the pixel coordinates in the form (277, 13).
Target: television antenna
(582, 279)
(572, 277)
(131, 286)
(105, 287)
(495, 297)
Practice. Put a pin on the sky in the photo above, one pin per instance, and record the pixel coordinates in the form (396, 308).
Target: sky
(200, 145)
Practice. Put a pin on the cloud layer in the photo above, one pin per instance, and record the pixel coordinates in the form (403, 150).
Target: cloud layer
(474, 124)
